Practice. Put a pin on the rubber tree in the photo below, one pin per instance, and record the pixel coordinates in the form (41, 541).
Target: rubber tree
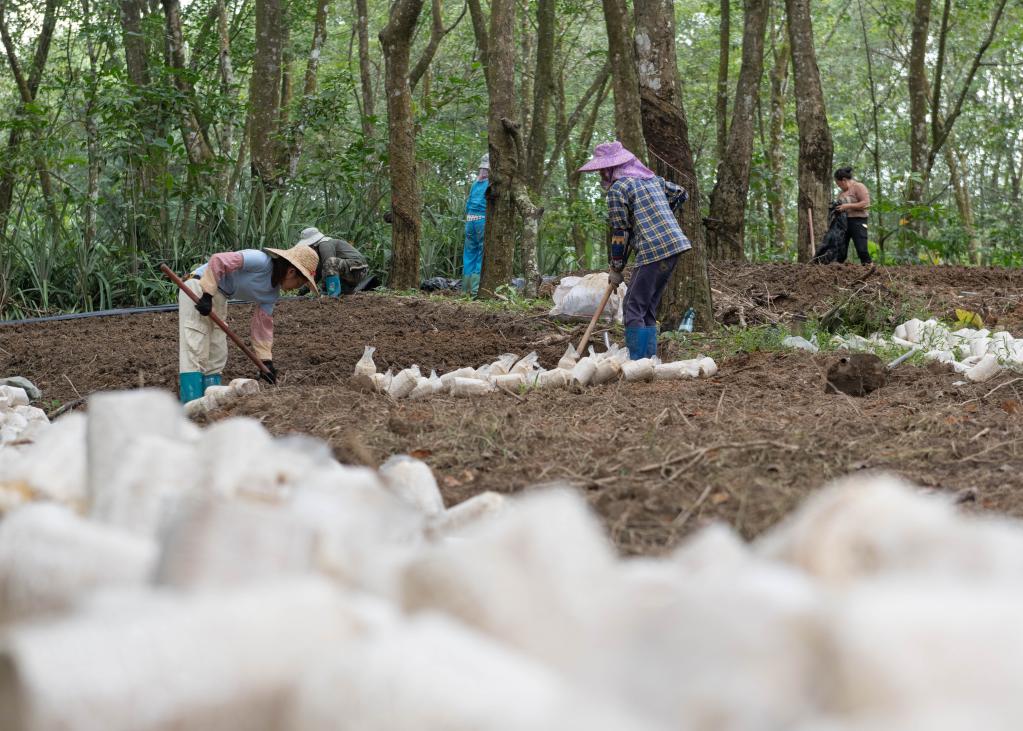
(666, 130)
(721, 97)
(265, 102)
(782, 61)
(624, 77)
(726, 230)
(499, 236)
(815, 145)
(406, 202)
(27, 86)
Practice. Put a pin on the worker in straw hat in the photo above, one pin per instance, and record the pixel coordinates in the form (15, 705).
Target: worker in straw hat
(255, 276)
(640, 208)
(475, 224)
(339, 261)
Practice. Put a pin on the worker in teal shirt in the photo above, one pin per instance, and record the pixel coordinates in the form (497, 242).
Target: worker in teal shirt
(475, 223)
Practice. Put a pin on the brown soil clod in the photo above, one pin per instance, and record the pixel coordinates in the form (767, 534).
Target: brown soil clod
(856, 374)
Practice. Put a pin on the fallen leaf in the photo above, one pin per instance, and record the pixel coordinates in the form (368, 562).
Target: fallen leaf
(970, 408)
(421, 453)
(1010, 406)
(719, 497)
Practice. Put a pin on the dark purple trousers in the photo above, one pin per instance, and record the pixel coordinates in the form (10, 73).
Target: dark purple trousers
(645, 289)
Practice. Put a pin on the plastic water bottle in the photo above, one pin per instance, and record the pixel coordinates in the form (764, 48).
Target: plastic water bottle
(688, 320)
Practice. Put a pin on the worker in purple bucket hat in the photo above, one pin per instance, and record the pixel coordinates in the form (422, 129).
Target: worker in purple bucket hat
(640, 208)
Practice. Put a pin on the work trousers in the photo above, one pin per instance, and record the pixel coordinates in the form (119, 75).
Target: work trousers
(472, 255)
(202, 346)
(856, 230)
(350, 271)
(644, 293)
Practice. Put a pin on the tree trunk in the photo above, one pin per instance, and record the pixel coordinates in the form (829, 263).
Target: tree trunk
(728, 199)
(775, 149)
(265, 99)
(543, 90)
(396, 40)
(365, 69)
(625, 78)
(876, 147)
(667, 131)
(308, 86)
(815, 147)
(499, 239)
(193, 135)
(721, 107)
(918, 102)
(27, 89)
(962, 196)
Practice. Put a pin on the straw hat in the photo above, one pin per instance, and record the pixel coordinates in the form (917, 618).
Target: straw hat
(310, 236)
(304, 258)
(607, 155)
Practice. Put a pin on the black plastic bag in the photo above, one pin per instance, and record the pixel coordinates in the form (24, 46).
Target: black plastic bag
(834, 247)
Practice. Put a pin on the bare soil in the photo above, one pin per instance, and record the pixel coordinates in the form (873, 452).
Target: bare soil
(655, 459)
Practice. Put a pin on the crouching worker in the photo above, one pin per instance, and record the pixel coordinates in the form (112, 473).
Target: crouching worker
(339, 261)
(641, 215)
(255, 276)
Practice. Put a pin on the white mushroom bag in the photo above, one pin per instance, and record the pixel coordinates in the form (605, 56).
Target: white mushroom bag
(580, 297)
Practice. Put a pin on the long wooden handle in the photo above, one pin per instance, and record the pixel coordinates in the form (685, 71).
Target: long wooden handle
(593, 320)
(216, 320)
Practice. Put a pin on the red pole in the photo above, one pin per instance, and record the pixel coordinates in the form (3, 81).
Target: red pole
(216, 320)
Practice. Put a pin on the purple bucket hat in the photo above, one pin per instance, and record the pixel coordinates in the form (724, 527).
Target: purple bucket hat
(607, 155)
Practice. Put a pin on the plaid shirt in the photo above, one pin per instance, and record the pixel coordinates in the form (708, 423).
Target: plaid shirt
(644, 207)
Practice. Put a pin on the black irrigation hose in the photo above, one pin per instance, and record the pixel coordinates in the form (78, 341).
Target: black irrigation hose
(121, 311)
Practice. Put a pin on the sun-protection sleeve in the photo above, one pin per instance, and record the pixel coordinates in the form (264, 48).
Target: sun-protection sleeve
(676, 194)
(263, 332)
(220, 264)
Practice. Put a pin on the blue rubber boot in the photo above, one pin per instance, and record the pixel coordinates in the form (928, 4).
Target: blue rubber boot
(650, 340)
(213, 379)
(190, 386)
(635, 341)
(333, 283)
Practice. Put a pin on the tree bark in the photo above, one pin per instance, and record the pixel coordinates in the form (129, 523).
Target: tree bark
(194, 137)
(625, 78)
(499, 238)
(815, 146)
(365, 69)
(406, 226)
(308, 86)
(543, 90)
(876, 147)
(721, 107)
(27, 88)
(265, 99)
(775, 148)
(728, 199)
(667, 131)
(918, 102)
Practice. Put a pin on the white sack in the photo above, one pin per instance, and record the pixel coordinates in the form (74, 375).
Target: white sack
(580, 296)
(49, 558)
(412, 480)
(470, 387)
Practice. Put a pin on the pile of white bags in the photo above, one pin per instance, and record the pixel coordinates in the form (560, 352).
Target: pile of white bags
(977, 354)
(511, 373)
(580, 297)
(18, 420)
(217, 397)
(178, 578)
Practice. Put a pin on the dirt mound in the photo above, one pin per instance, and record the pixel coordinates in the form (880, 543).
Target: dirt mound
(654, 459)
(759, 293)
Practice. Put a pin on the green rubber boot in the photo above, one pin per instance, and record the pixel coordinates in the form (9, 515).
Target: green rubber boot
(190, 386)
(212, 379)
